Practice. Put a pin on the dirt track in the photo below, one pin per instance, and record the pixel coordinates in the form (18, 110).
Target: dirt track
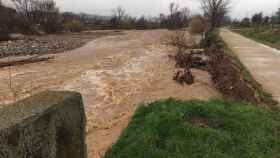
(114, 74)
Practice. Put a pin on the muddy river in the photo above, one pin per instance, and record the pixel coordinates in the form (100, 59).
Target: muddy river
(114, 74)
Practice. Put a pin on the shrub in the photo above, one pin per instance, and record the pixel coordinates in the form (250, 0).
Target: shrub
(211, 37)
(74, 26)
(197, 25)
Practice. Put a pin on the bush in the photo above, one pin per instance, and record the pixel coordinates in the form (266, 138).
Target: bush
(211, 37)
(197, 25)
(73, 26)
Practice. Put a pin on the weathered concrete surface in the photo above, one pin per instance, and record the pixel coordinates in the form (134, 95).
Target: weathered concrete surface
(48, 125)
(262, 61)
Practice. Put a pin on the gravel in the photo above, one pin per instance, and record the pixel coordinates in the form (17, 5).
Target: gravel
(45, 44)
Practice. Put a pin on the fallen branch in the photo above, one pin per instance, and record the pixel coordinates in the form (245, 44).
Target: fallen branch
(25, 61)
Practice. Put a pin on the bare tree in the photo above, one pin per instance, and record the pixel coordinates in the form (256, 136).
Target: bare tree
(24, 10)
(173, 8)
(7, 21)
(185, 12)
(38, 12)
(47, 15)
(118, 14)
(215, 10)
(178, 17)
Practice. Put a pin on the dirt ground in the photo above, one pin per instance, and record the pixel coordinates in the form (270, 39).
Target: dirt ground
(114, 74)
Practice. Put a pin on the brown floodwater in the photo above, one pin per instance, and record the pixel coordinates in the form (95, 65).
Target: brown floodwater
(114, 74)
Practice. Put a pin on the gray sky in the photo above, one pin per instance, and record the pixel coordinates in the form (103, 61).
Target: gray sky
(239, 8)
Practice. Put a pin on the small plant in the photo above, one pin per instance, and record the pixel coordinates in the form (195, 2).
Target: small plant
(211, 37)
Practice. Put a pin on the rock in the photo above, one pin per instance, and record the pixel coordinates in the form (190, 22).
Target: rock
(16, 36)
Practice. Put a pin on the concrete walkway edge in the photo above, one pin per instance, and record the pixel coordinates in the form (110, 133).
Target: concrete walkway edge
(262, 61)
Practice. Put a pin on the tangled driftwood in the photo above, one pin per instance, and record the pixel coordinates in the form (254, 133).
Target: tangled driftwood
(185, 62)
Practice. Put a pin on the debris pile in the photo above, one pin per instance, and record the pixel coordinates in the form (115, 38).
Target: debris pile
(229, 76)
(187, 61)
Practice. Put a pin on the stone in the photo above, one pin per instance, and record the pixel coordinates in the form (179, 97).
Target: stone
(47, 125)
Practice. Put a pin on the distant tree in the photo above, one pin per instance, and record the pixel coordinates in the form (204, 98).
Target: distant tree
(214, 11)
(173, 8)
(277, 15)
(273, 19)
(266, 20)
(38, 12)
(24, 10)
(84, 18)
(257, 18)
(178, 18)
(48, 15)
(245, 22)
(118, 15)
(185, 16)
(142, 23)
(163, 21)
(227, 20)
(8, 22)
(114, 22)
(3, 23)
(128, 22)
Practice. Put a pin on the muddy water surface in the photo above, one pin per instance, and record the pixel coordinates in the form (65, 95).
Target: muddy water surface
(114, 74)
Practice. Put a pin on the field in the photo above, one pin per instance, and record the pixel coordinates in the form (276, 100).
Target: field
(263, 34)
(214, 129)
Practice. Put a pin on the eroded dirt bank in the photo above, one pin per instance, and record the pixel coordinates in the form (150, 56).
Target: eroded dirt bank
(114, 74)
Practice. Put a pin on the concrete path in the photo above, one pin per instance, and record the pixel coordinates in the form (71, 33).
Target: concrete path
(262, 61)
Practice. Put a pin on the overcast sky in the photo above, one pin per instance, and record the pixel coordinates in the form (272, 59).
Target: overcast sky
(239, 8)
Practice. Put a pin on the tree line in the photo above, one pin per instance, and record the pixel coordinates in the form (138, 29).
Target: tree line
(43, 16)
(259, 19)
(37, 16)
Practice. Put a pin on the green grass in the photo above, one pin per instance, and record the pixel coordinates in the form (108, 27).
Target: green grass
(263, 34)
(234, 130)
